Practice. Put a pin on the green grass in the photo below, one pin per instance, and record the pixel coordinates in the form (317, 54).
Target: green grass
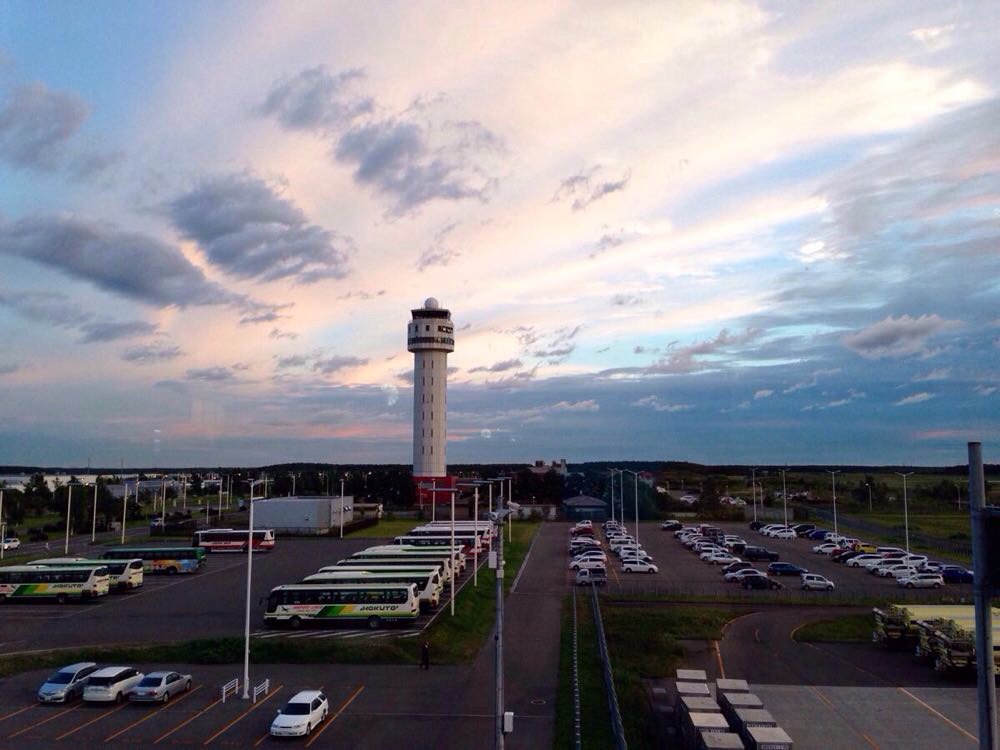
(595, 723)
(642, 642)
(452, 639)
(942, 525)
(847, 628)
(383, 529)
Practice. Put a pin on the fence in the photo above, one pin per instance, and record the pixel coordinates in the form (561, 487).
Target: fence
(609, 679)
(576, 681)
(792, 594)
(231, 687)
(262, 688)
(946, 546)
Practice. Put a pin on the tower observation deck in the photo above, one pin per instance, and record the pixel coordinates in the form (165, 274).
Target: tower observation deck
(430, 336)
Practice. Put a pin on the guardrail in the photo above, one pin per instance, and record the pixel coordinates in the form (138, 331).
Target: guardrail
(233, 686)
(609, 679)
(577, 741)
(261, 689)
(791, 595)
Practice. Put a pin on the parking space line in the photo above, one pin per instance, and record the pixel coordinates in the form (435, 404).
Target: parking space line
(18, 711)
(186, 721)
(718, 657)
(255, 706)
(843, 718)
(343, 706)
(96, 719)
(43, 721)
(937, 713)
(151, 714)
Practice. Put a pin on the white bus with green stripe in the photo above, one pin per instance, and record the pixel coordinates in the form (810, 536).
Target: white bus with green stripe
(64, 584)
(427, 580)
(373, 604)
(402, 551)
(124, 575)
(443, 563)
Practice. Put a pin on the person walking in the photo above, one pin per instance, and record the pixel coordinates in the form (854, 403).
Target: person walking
(425, 655)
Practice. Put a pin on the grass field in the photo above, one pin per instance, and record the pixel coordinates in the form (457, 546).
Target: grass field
(848, 628)
(943, 525)
(384, 529)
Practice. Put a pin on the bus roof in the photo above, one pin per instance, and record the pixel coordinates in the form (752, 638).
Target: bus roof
(309, 586)
(377, 575)
(80, 562)
(35, 568)
(151, 549)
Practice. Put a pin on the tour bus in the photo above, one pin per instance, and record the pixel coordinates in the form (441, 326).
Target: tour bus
(27, 582)
(468, 542)
(169, 560)
(428, 581)
(484, 530)
(123, 575)
(298, 604)
(402, 550)
(406, 563)
(233, 540)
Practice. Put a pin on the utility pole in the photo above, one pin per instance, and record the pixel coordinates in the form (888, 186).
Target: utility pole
(833, 479)
(246, 625)
(124, 507)
(983, 589)
(69, 507)
(93, 522)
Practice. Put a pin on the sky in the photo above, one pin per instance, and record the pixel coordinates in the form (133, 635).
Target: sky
(726, 232)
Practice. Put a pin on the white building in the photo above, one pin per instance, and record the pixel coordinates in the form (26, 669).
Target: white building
(307, 516)
(430, 336)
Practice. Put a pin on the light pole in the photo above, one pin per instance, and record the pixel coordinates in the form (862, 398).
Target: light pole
(833, 479)
(635, 476)
(341, 507)
(906, 516)
(500, 515)
(753, 491)
(69, 507)
(124, 507)
(869, 496)
(246, 625)
(784, 495)
(93, 522)
(3, 526)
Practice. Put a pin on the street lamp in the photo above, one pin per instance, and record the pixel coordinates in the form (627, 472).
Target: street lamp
(753, 491)
(620, 490)
(246, 625)
(869, 496)
(3, 526)
(906, 516)
(784, 495)
(833, 479)
(125, 506)
(475, 548)
(341, 507)
(499, 516)
(635, 476)
(69, 507)
(93, 522)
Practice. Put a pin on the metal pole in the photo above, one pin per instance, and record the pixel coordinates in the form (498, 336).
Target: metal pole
(906, 517)
(635, 477)
(433, 500)
(69, 507)
(753, 491)
(475, 549)
(498, 718)
(612, 494)
(833, 478)
(124, 507)
(3, 526)
(784, 495)
(341, 508)
(453, 552)
(510, 517)
(93, 523)
(246, 626)
(981, 591)
(869, 496)
(185, 491)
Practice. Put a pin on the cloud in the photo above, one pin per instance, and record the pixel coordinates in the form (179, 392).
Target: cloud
(561, 351)
(440, 253)
(940, 373)
(985, 390)
(332, 364)
(915, 398)
(316, 99)
(934, 38)
(507, 364)
(762, 393)
(113, 331)
(608, 241)
(590, 185)
(144, 354)
(656, 404)
(56, 309)
(585, 405)
(210, 374)
(36, 123)
(625, 300)
(8, 368)
(277, 333)
(296, 360)
(248, 230)
(897, 337)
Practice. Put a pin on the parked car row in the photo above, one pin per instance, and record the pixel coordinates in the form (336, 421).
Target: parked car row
(907, 569)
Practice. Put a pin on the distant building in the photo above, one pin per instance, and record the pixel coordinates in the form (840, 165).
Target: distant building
(305, 516)
(585, 507)
(558, 466)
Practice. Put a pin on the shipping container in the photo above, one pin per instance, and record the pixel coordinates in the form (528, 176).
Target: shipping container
(732, 686)
(768, 738)
(693, 688)
(692, 675)
(720, 741)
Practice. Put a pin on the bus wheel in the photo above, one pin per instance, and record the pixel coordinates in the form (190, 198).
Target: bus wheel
(295, 622)
(3, 598)
(171, 571)
(374, 623)
(62, 599)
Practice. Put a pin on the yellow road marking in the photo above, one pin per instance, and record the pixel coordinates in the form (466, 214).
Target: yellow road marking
(150, 715)
(940, 715)
(833, 708)
(333, 718)
(43, 721)
(96, 719)
(718, 656)
(253, 707)
(186, 721)
(19, 711)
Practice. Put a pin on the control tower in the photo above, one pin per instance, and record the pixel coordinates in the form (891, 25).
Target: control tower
(430, 336)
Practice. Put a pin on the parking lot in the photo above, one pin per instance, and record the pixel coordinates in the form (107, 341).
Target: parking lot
(206, 604)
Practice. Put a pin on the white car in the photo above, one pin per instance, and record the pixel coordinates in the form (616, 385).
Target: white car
(638, 566)
(302, 714)
(784, 534)
(111, 684)
(738, 575)
(825, 548)
(894, 570)
(719, 558)
(922, 581)
(765, 530)
(586, 564)
(904, 571)
(591, 555)
(857, 562)
(11, 543)
(816, 582)
(630, 551)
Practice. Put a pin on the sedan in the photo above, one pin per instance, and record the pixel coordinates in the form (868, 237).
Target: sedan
(303, 713)
(922, 581)
(720, 558)
(586, 564)
(845, 556)
(956, 574)
(860, 560)
(671, 525)
(785, 569)
(825, 548)
(733, 567)
(11, 543)
(590, 556)
(641, 556)
(160, 687)
(784, 534)
(894, 570)
(816, 582)
(760, 582)
(738, 576)
(638, 566)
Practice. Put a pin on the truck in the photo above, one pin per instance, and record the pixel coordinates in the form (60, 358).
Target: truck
(591, 577)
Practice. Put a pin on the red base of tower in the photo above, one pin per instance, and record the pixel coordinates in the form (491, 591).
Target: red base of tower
(426, 495)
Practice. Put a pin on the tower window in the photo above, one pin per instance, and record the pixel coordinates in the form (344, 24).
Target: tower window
(427, 328)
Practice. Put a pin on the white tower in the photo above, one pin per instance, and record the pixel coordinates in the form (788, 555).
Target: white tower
(430, 336)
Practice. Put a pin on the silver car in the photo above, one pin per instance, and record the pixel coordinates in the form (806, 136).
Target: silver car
(160, 687)
(67, 683)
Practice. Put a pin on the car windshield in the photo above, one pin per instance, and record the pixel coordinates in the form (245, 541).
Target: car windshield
(296, 709)
(60, 678)
(150, 681)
